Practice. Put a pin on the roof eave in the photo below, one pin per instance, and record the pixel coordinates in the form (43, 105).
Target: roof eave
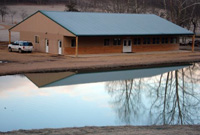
(177, 34)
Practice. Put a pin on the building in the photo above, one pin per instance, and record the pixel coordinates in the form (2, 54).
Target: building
(73, 33)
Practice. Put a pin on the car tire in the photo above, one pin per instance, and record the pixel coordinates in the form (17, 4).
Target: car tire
(10, 49)
(20, 51)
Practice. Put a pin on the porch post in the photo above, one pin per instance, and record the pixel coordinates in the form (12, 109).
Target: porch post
(76, 46)
(193, 42)
(9, 36)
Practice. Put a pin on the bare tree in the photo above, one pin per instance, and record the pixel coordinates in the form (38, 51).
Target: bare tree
(71, 6)
(23, 14)
(3, 12)
(12, 14)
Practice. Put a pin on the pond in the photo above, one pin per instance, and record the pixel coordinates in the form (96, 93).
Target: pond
(154, 96)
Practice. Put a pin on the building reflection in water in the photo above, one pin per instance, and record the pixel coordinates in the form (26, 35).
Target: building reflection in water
(170, 98)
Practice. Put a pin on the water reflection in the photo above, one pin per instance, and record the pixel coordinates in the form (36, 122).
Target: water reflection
(127, 99)
(169, 98)
(70, 78)
(167, 95)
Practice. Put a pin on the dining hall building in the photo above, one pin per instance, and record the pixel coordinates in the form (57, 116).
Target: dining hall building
(73, 33)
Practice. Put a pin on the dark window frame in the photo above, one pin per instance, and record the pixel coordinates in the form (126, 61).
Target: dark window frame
(148, 40)
(154, 40)
(106, 42)
(73, 43)
(116, 41)
(37, 39)
(157, 40)
(144, 40)
(137, 41)
(166, 40)
(163, 40)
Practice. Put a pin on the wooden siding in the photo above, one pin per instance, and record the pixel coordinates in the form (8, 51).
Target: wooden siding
(95, 45)
(153, 48)
(91, 45)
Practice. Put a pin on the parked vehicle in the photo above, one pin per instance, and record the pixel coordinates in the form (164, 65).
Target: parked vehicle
(21, 46)
(196, 43)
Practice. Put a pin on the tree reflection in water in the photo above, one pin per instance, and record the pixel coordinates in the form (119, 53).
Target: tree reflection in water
(127, 98)
(174, 98)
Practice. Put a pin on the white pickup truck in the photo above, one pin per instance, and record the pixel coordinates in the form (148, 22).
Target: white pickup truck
(21, 46)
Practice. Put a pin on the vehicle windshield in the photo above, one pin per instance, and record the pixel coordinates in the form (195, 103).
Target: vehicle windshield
(27, 44)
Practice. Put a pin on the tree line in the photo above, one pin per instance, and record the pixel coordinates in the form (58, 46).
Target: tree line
(184, 13)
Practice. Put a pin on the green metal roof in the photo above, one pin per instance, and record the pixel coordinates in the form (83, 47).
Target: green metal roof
(100, 24)
(108, 24)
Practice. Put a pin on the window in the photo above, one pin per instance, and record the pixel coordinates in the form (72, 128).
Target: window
(157, 40)
(154, 40)
(16, 43)
(73, 43)
(116, 41)
(125, 42)
(146, 40)
(27, 44)
(60, 43)
(106, 42)
(173, 40)
(36, 39)
(166, 40)
(137, 41)
(163, 40)
(47, 42)
(129, 42)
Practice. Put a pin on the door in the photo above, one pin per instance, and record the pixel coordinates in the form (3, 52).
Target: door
(47, 45)
(59, 47)
(15, 46)
(127, 45)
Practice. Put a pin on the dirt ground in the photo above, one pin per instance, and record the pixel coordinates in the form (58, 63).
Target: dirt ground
(18, 63)
(120, 130)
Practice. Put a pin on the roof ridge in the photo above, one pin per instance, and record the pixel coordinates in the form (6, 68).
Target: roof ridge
(95, 12)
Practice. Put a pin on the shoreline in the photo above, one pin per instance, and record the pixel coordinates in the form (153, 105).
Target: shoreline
(103, 68)
(113, 130)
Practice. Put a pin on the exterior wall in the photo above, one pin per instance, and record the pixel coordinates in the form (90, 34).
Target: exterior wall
(95, 45)
(39, 23)
(154, 48)
(91, 45)
(41, 46)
